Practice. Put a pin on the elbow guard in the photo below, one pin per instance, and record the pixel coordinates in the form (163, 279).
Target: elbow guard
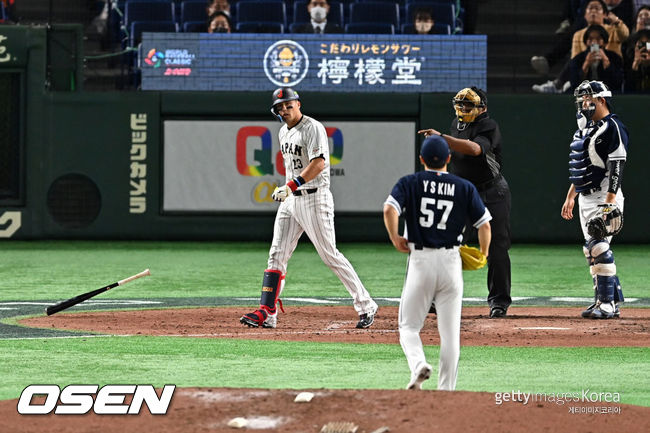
(615, 175)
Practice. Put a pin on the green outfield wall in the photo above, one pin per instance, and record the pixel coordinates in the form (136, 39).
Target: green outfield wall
(87, 165)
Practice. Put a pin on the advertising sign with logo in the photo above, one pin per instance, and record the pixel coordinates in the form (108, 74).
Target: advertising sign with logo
(232, 166)
(13, 46)
(339, 63)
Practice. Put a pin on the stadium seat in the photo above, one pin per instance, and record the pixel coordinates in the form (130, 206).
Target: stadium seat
(370, 28)
(262, 11)
(148, 10)
(443, 12)
(375, 12)
(443, 29)
(137, 27)
(195, 27)
(193, 10)
(259, 27)
(301, 16)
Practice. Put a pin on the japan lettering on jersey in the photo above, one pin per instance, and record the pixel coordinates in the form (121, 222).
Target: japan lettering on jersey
(436, 206)
(302, 143)
(591, 149)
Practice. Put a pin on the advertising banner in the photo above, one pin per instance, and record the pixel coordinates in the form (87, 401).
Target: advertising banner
(326, 63)
(233, 166)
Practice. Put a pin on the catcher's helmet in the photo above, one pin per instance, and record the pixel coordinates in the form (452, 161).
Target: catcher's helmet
(589, 90)
(469, 97)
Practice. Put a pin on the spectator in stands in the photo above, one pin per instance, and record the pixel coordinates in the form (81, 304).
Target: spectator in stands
(637, 68)
(219, 23)
(596, 62)
(595, 14)
(624, 9)
(642, 22)
(318, 11)
(218, 6)
(423, 22)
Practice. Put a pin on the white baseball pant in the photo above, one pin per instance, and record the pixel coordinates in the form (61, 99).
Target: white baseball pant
(314, 215)
(433, 275)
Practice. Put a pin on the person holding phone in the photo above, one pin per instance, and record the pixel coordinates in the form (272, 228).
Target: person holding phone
(637, 71)
(596, 62)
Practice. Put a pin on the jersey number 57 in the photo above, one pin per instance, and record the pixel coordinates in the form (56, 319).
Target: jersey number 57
(426, 209)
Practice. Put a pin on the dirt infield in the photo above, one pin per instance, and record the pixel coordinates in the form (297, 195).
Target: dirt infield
(210, 409)
(523, 327)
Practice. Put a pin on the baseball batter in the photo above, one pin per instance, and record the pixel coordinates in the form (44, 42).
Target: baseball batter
(307, 206)
(435, 205)
(598, 154)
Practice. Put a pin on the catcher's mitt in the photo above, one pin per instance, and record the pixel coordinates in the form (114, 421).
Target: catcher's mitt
(473, 258)
(607, 222)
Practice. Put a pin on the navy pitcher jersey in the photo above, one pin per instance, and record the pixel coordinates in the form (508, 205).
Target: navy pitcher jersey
(436, 205)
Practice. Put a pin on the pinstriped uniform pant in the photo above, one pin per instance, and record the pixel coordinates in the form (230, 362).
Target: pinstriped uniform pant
(314, 215)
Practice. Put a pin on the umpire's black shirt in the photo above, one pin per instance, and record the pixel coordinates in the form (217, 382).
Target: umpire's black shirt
(482, 168)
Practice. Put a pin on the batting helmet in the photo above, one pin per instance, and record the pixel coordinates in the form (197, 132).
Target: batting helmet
(284, 94)
(472, 98)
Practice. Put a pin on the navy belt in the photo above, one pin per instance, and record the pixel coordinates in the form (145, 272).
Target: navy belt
(300, 192)
(488, 184)
(421, 247)
(591, 191)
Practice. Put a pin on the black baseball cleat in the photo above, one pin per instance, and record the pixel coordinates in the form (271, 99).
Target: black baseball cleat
(588, 313)
(497, 312)
(254, 319)
(365, 320)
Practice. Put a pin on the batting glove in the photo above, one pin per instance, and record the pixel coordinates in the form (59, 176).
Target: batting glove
(281, 193)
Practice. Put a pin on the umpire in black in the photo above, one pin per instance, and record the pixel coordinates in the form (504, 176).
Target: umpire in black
(475, 141)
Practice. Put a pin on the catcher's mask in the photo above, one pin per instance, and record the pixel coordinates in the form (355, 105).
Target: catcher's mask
(587, 91)
(468, 103)
(283, 94)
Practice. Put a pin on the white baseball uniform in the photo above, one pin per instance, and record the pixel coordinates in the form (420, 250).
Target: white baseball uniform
(310, 209)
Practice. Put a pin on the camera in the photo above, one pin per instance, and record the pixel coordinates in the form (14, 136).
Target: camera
(595, 48)
(643, 46)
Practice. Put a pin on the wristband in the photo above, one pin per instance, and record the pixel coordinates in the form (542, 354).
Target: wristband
(294, 183)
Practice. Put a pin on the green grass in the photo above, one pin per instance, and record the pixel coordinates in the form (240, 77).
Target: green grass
(243, 363)
(59, 269)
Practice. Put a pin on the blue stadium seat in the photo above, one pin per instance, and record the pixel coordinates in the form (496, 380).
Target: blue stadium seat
(262, 11)
(443, 12)
(375, 12)
(137, 27)
(193, 10)
(301, 16)
(195, 27)
(259, 27)
(148, 10)
(370, 28)
(442, 29)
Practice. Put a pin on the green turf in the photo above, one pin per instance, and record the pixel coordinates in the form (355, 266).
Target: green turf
(60, 269)
(244, 363)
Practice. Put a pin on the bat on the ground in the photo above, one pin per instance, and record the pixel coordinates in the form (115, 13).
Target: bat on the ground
(77, 299)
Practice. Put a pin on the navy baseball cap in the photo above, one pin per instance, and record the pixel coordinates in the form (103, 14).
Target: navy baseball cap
(434, 151)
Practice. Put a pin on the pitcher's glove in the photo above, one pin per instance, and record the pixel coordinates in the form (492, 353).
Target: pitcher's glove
(472, 257)
(608, 221)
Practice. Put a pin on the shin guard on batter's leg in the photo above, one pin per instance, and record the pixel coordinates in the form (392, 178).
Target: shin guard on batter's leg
(266, 316)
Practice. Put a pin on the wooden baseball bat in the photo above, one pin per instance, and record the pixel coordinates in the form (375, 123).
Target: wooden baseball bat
(77, 299)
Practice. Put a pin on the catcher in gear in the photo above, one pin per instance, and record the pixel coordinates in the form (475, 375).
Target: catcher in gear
(435, 206)
(596, 161)
(475, 142)
(306, 206)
